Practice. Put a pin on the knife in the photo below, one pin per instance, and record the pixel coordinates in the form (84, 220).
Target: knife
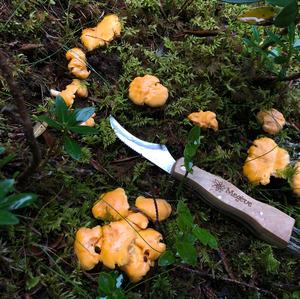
(267, 222)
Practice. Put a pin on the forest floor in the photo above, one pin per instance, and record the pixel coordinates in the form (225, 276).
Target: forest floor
(215, 73)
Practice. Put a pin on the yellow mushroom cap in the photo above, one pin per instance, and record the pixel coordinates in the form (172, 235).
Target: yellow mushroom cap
(77, 64)
(138, 264)
(295, 181)
(89, 122)
(68, 94)
(137, 220)
(111, 206)
(264, 159)
(147, 206)
(82, 90)
(204, 119)
(147, 90)
(272, 120)
(102, 34)
(149, 240)
(118, 236)
(87, 239)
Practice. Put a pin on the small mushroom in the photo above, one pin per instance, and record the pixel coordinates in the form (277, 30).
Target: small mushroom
(148, 207)
(147, 90)
(82, 90)
(77, 63)
(295, 180)
(264, 159)
(204, 119)
(272, 121)
(89, 122)
(87, 243)
(118, 237)
(150, 241)
(138, 264)
(111, 206)
(102, 34)
(137, 220)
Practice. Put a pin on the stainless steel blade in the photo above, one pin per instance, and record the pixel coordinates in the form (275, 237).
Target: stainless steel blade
(158, 154)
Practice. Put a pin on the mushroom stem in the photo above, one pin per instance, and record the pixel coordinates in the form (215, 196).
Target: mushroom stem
(54, 92)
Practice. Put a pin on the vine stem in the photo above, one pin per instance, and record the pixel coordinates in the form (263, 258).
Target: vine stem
(25, 119)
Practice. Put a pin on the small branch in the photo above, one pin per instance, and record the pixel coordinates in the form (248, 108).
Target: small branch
(26, 122)
(198, 33)
(276, 78)
(229, 280)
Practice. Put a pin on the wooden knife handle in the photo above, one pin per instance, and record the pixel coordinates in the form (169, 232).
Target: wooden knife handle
(267, 222)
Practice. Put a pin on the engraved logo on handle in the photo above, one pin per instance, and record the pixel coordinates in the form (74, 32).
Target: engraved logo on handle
(219, 186)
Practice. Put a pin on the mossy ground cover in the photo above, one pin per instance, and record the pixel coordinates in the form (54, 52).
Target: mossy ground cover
(212, 73)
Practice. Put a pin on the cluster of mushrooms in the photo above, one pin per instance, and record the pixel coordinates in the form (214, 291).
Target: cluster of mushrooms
(125, 241)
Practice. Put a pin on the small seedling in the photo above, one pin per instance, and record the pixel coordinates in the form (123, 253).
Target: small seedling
(68, 121)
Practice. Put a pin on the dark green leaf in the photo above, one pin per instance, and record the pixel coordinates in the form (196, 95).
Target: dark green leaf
(205, 237)
(84, 130)
(7, 218)
(187, 252)
(6, 159)
(281, 59)
(240, 1)
(194, 136)
(52, 123)
(287, 15)
(17, 201)
(61, 110)
(72, 148)
(108, 283)
(6, 186)
(166, 259)
(184, 219)
(117, 294)
(84, 114)
(280, 3)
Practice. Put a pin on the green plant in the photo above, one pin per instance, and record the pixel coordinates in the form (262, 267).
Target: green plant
(10, 201)
(68, 121)
(187, 234)
(109, 285)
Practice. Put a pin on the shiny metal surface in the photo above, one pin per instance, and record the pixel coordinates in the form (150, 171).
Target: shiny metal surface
(158, 154)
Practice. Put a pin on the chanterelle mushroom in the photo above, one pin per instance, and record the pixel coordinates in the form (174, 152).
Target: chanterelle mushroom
(89, 122)
(295, 181)
(111, 206)
(150, 241)
(137, 220)
(87, 243)
(272, 120)
(147, 90)
(77, 64)
(82, 90)
(138, 264)
(118, 236)
(102, 34)
(147, 206)
(204, 119)
(264, 159)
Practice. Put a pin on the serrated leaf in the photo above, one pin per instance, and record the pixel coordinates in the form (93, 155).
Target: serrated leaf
(52, 123)
(6, 186)
(184, 219)
(8, 218)
(84, 130)
(17, 201)
(287, 15)
(258, 15)
(72, 148)
(205, 237)
(187, 252)
(84, 114)
(166, 259)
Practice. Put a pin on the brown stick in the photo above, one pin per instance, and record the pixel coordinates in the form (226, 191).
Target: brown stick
(276, 78)
(229, 280)
(26, 122)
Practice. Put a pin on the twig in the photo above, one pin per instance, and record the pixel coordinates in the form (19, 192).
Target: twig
(199, 33)
(229, 280)
(276, 78)
(26, 122)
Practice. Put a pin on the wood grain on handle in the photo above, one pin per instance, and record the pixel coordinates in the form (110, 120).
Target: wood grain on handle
(267, 222)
